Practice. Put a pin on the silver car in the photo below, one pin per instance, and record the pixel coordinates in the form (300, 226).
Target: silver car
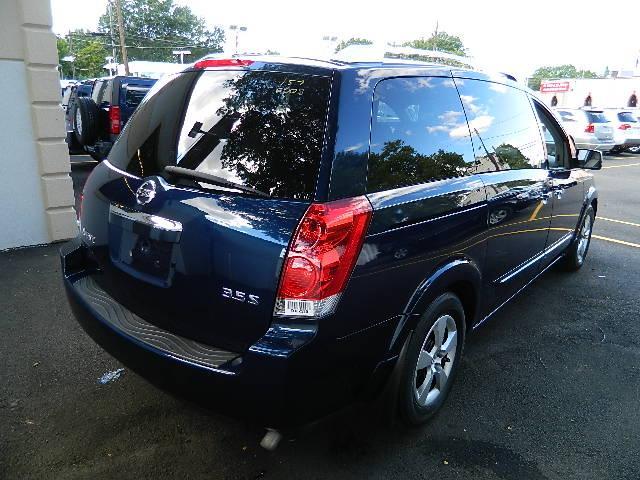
(590, 128)
(626, 129)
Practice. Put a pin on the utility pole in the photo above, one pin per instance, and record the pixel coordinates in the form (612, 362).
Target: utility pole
(113, 43)
(435, 37)
(73, 64)
(123, 47)
(237, 29)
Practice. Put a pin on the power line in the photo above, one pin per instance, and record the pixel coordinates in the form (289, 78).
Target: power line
(175, 42)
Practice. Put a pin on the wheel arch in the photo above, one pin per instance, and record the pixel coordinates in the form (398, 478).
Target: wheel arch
(460, 276)
(591, 198)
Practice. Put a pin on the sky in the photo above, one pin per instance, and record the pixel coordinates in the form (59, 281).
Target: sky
(506, 36)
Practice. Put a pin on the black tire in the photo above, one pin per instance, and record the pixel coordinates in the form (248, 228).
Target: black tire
(74, 147)
(576, 254)
(86, 130)
(411, 410)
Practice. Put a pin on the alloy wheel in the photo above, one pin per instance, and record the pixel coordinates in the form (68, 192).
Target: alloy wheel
(584, 236)
(435, 361)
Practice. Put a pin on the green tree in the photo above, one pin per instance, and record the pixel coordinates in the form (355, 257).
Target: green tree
(400, 164)
(441, 42)
(512, 156)
(557, 71)
(88, 51)
(63, 51)
(153, 28)
(90, 59)
(353, 41)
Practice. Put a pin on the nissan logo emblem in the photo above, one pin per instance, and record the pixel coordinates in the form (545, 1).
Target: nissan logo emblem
(146, 192)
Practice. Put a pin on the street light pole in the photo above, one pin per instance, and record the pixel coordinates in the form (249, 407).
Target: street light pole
(123, 47)
(237, 30)
(182, 53)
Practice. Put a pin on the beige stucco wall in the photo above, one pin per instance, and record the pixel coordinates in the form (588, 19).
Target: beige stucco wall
(34, 160)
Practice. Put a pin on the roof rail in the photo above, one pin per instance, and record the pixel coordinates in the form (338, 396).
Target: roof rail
(382, 53)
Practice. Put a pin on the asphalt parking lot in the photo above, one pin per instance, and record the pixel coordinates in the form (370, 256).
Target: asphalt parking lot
(550, 389)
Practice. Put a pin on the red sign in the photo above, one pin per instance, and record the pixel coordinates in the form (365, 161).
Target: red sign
(554, 87)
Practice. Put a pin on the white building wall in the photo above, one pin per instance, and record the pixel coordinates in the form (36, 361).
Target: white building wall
(36, 192)
(22, 217)
(605, 92)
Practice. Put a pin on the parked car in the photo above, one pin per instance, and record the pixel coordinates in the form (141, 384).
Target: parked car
(626, 128)
(69, 105)
(636, 115)
(66, 94)
(99, 119)
(590, 128)
(277, 237)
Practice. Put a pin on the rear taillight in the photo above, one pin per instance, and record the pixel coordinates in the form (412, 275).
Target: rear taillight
(80, 205)
(624, 126)
(114, 120)
(591, 128)
(321, 257)
(222, 62)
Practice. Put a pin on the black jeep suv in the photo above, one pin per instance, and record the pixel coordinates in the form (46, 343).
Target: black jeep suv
(276, 236)
(98, 119)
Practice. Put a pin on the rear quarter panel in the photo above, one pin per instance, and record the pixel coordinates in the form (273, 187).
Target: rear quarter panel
(414, 232)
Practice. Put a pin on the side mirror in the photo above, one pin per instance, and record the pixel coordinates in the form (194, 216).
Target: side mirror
(589, 159)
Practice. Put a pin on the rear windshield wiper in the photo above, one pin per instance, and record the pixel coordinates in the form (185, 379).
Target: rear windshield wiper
(212, 179)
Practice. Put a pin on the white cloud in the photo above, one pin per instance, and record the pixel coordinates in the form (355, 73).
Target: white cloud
(498, 87)
(438, 128)
(450, 117)
(468, 102)
(480, 124)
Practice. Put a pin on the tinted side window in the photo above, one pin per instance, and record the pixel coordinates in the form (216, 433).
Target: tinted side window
(503, 126)
(418, 133)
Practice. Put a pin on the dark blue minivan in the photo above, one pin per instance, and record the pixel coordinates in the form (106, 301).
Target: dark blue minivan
(276, 237)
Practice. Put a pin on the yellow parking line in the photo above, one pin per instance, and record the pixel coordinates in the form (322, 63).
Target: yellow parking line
(535, 212)
(619, 221)
(621, 242)
(619, 166)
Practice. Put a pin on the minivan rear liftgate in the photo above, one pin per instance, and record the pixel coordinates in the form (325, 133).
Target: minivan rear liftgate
(190, 218)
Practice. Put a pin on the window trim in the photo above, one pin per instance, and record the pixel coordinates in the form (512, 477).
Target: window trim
(538, 106)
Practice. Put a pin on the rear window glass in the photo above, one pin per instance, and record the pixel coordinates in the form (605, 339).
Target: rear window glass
(626, 117)
(566, 116)
(259, 129)
(597, 117)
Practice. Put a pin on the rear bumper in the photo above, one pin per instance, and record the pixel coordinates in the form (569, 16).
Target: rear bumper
(285, 379)
(630, 142)
(601, 146)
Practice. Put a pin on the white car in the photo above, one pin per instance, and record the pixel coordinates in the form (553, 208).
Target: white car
(590, 128)
(626, 129)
